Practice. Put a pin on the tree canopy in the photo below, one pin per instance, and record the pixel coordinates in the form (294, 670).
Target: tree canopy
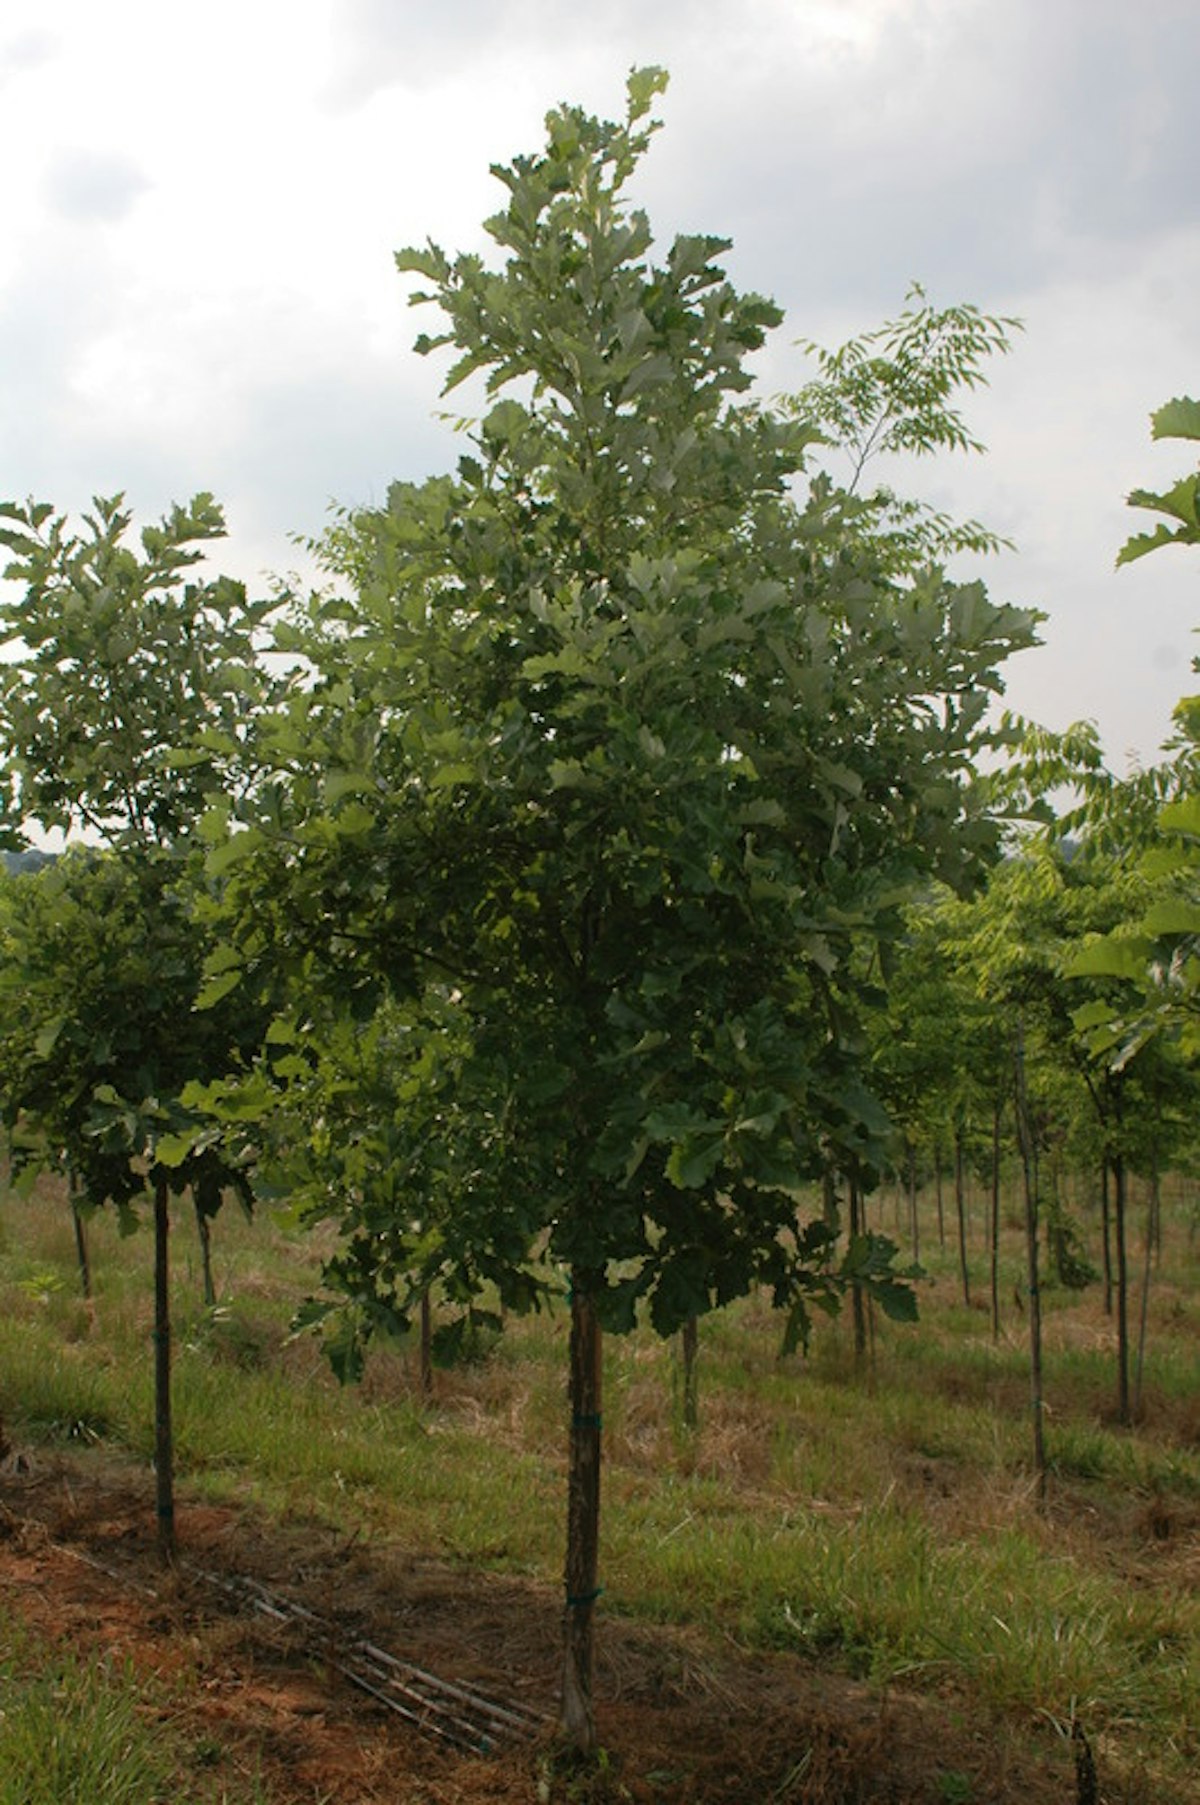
(620, 735)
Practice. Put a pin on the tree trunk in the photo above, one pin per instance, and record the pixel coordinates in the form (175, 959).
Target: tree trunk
(689, 1338)
(1029, 1168)
(937, 1185)
(997, 1112)
(1106, 1233)
(583, 1513)
(1120, 1197)
(1152, 1209)
(164, 1446)
(81, 1247)
(960, 1206)
(856, 1291)
(204, 1233)
(914, 1225)
(426, 1344)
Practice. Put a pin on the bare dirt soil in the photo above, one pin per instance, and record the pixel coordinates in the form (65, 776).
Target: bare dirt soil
(682, 1717)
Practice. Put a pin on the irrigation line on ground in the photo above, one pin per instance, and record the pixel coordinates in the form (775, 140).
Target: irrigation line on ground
(452, 1713)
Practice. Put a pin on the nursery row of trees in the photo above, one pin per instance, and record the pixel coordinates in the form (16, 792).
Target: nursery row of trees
(556, 906)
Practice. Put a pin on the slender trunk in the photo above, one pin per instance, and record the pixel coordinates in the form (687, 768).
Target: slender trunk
(960, 1206)
(937, 1186)
(997, 1111)
(1106, 1234)
(583, 1513)
(689, 1344)
(914, 1226)
(81, 1247)
(204, 1232)
(1144, 1309)
(1120, 1197)
(1029, 1168)
(856, 1291)
(1054, 1238)
(829, 1202)
(164, 1446)
(426, 1345)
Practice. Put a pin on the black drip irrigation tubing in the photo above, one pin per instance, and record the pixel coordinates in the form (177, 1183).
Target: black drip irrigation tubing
(449, 1713)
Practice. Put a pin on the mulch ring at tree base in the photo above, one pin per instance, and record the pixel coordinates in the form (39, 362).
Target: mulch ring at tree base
(681, 1716)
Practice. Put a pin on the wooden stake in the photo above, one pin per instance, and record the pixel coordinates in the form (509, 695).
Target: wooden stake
(583, 1513)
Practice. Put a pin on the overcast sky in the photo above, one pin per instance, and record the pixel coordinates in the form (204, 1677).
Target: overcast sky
(201, 205)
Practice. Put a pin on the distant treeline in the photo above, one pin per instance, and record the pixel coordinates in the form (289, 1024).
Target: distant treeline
(32, 859)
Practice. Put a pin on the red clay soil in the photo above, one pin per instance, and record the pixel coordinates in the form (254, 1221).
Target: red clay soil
(682, 1718)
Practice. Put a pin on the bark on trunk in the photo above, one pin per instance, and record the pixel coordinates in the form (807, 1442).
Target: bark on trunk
(1152, 1212)
(1029, 1167)
(81, 1247)
(995, 1227)
(857, 1303)
(690, 1346)
(1106, 1232)
(204, 1235)
(426, 1346)
(164, 1446)
(1120, 1197)
(960, 1206)
(583, 1513)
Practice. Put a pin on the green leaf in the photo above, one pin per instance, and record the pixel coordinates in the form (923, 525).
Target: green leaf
(897, 1301)
(1122, 956)
(1182, 501)
(568, 774)
(339, 784)
(453, 773)
(218, 987)
(228, 853)
(1097, 1014)
(1140, 543)
(1174, 915)
(1178, 419)
(173, 1149)
(430, 262)
(642, 87)
(692, 1162)
(1182, 816)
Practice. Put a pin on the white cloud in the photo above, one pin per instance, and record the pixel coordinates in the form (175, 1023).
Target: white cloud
(196, 281)
(89, 185)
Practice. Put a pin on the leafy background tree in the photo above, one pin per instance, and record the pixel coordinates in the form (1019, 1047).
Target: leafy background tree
(124, 705)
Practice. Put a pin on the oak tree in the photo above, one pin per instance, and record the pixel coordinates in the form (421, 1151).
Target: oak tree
(619, 742)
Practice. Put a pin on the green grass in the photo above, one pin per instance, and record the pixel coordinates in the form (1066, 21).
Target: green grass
(887, 1522)
(84, 1733)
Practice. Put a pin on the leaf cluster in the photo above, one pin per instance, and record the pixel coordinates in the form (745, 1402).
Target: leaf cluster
(126, 689)
(100, 960)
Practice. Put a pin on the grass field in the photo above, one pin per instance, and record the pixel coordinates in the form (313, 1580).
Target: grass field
(884, 1520)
